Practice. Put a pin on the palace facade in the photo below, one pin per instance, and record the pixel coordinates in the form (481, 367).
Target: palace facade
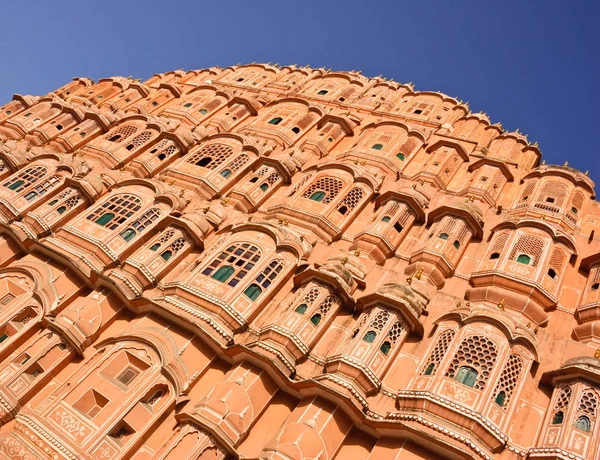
(266, 262)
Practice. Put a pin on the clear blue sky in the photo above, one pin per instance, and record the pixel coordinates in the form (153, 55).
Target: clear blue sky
(532, 65)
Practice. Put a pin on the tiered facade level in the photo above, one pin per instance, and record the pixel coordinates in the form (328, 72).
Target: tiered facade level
(290, 263)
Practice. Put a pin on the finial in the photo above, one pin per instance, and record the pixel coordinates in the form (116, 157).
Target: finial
(409, 279)
(597, 354)
(586, 173)
(357, 252)
(458, 304)
(501, 305)
(566, 163)
(344, 260)
(224, 201)
(419, 273)
(543, 162)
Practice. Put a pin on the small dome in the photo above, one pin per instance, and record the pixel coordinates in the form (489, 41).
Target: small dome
(405, 294)
(345, 269)
(419, 194)
(588, 362)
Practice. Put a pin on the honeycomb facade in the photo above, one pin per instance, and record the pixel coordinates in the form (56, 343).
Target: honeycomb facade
(272, 262)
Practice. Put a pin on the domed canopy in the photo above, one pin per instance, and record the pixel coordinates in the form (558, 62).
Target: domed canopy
(469, 211)
(579, 367)
(402, 297)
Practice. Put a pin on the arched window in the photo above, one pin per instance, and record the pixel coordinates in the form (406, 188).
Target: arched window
(315, 319)
(583, 423)
(500, 398)
(223, 273)
(558, 418)
(401, 156)
(477, 354)
(301, 308)
(211, 156)
(561, 404)
(467, 376)
(253, 291)
(385, 347)
(264, 279)
(494, 255)
(115, 211)
(386, 218)
(456, 244)
(121, 134)
(328, 187)
(370, 336)
(443, 236)
(507, 383)
(233, 264)
(139, 141)
(167, 255)
(351, 200)
(26, 178)
(438, 352)
(226, 173)
(529, 246)
(275, 121)
(317, 196)
(140, 224)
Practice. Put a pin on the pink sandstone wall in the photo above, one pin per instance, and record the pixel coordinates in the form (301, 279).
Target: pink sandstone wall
(266, 262)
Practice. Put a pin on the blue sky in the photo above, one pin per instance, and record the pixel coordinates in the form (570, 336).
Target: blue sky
(532, 65)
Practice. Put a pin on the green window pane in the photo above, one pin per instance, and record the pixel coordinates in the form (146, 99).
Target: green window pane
(377, 146)
(155, 246)
(223, 273)
(315, 319)
(401, 157)
(167, 255)
(203, 111)
(61, 209)
(500, 398)
(558, 418)
(105, 218)
(443, 236)
(386, 219)
(524, 259)
(3, 337)
(128, 234)
(467, 376)
(275, 121)
(583, 423)
(370, 336)
(385, 347)
(31, 196)
(430, 369)
(16, 185)
(301, 308)
(457, 244)
(323, 92)
(226, 173)
(253, 291)
(264, 187)
(317, 196)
